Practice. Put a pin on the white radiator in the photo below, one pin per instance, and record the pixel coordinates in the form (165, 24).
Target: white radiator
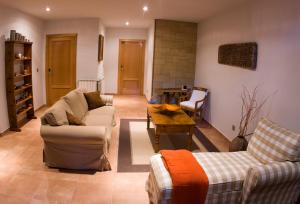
(89, 85)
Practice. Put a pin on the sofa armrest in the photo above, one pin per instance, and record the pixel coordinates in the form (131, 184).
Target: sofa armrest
(69, 134)
(261, 180)
(107, 99)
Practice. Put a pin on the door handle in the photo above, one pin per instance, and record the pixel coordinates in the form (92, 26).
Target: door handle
(122, 68)
(49, 70)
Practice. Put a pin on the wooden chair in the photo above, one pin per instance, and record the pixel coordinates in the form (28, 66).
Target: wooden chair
(195, 103)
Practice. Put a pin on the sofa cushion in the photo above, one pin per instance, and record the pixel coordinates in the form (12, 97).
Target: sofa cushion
(93, 100)
(73, 120)
(104, 110)
(94, 120)
(273, 143)
(76, 100)
(56, 114)
(100, 116)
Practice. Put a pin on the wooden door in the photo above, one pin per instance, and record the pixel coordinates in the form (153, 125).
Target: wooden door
(131, 66)
(60, 66)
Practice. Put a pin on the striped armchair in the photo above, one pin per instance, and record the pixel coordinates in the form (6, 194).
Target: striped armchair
(268, 172)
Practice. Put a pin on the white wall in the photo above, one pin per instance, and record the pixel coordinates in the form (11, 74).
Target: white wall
(87, 31)
(149, 63)
(33, 29)
(276, 28)
(111, 53)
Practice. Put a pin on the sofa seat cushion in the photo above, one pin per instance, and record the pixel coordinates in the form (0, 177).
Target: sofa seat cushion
(76, 100)
(94, 120)
(100, 116)
(104, 110)
(226, 172)
(270, 143)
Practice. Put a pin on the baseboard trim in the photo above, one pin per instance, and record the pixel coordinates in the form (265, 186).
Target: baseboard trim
(4, 132)
(42, 106)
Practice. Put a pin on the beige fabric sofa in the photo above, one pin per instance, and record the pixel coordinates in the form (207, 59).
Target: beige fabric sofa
(78, 147)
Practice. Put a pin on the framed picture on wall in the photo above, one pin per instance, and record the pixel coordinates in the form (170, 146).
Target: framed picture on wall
(100, 48)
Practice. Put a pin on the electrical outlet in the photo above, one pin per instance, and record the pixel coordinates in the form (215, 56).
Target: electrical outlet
(233, 127)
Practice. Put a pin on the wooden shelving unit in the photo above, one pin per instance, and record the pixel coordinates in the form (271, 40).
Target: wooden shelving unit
(18, 69)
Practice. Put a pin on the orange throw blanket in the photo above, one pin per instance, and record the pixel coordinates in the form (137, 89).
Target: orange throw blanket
(190, 182)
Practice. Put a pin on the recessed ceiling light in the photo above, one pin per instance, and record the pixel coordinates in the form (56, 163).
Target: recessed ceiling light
(127, 23)
(145, 8)
(48, 9)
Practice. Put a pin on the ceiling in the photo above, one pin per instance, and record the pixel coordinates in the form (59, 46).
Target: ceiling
(114, 13)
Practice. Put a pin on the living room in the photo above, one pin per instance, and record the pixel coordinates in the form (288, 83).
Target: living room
(243, 56)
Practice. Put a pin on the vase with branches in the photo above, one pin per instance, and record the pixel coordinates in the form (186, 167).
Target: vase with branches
(251, 108)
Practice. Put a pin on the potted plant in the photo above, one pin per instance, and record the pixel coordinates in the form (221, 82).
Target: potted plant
(250, 110)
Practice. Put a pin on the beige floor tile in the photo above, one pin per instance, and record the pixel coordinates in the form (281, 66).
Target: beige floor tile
(93, 193)
(22, 186)
(7, 199)
(37, 201)
(53, 190)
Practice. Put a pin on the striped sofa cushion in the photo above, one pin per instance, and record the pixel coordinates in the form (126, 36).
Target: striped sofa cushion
(273, 143)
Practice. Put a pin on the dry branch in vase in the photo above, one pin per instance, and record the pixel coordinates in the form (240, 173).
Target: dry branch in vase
(250, 110)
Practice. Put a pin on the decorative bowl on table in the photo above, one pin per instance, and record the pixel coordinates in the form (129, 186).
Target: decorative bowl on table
(168, 109)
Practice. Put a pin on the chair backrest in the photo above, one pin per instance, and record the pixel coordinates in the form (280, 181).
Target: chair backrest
(198, 94)
(200, 89)
(277, 182)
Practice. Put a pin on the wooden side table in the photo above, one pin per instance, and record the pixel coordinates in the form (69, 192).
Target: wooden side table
(179, 122)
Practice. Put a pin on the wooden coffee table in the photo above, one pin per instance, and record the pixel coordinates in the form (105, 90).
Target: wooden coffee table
(179, 122)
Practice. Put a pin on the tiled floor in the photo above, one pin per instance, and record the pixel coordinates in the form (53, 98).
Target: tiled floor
(25, 179)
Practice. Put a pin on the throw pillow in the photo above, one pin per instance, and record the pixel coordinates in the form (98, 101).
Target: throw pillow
(73, 120)
(93, 100)
(270, 143)
(58, 114)
(50, 119)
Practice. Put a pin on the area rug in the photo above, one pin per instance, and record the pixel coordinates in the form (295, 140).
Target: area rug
(136, 144)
